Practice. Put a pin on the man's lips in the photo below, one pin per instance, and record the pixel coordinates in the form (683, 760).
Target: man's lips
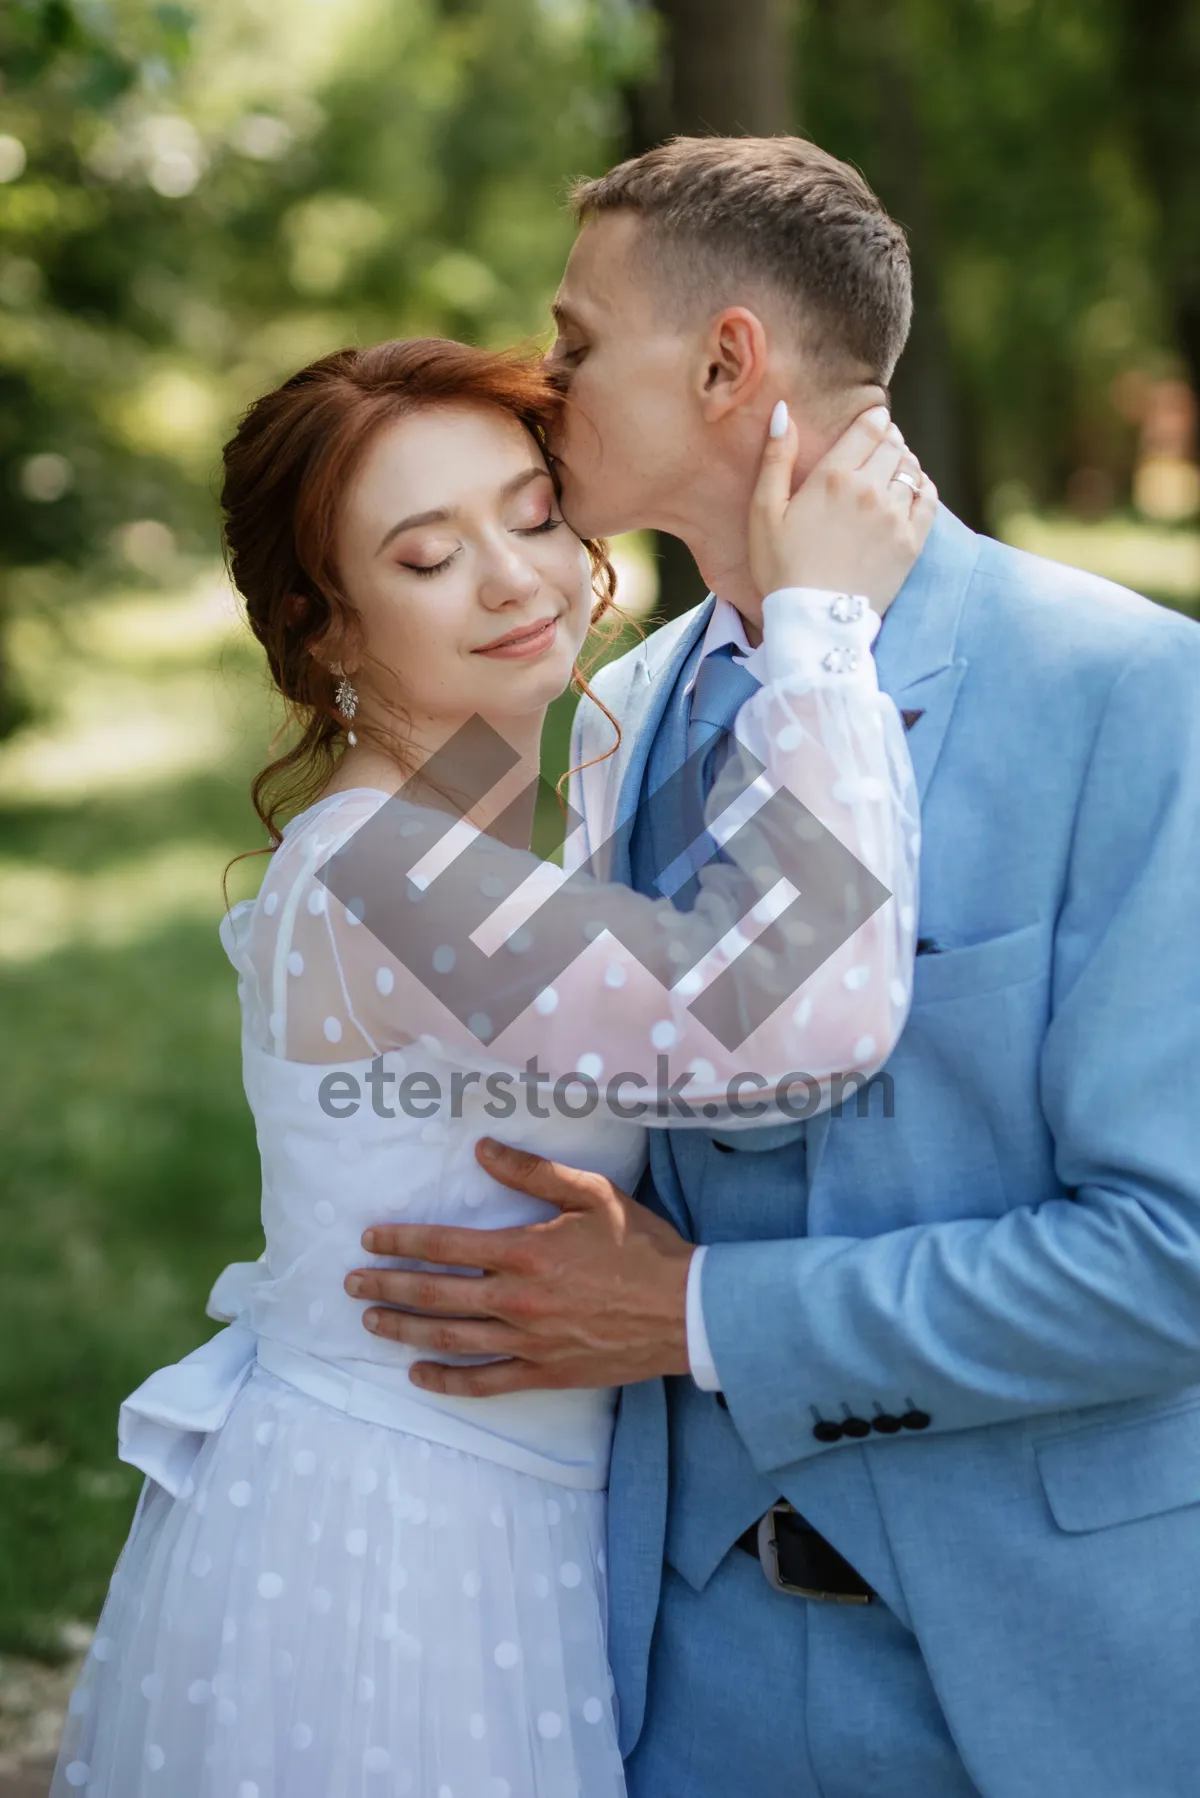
(529, 640)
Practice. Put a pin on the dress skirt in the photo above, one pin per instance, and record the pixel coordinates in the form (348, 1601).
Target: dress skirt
(335, 1609)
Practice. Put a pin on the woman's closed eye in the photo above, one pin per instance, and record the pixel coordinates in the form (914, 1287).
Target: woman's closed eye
(542, 528)
(550, 523)
(428, 568)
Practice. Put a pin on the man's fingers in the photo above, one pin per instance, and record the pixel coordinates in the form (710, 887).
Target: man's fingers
(440, 1295)
(477, 1382)
(489, 1250)
(441, 1336)
(859, 441)
(568, 1187)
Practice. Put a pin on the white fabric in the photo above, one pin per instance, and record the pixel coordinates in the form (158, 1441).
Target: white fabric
(700, 1355)
(334, 1609)
(727, 625)
(324, 1181)
(339, 1586)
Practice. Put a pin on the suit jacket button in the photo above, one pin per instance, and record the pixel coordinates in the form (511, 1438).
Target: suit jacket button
(885, 1423)
(827, 1430)
(916, 1420)
(857, 1427)
(722, 1401)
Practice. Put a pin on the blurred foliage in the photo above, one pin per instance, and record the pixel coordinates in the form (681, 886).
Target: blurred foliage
(998, 131)
(195, 201)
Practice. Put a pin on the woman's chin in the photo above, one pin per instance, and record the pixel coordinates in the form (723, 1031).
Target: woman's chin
(522, 690)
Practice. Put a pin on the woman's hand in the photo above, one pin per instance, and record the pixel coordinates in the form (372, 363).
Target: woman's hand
(856, 525)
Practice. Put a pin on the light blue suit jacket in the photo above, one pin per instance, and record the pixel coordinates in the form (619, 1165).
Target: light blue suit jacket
(1016, 1251)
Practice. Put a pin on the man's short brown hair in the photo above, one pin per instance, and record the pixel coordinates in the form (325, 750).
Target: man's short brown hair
(724, 211)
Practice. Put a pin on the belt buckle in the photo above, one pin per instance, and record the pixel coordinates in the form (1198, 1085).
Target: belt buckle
(768, 1554)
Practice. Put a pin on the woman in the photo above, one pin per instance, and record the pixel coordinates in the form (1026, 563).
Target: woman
(336, 1583)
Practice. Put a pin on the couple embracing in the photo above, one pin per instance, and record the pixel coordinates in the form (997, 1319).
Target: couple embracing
(863, 1444)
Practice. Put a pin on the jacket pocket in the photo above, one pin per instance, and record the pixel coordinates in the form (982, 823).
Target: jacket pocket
(1117, 1472)
(982, 968)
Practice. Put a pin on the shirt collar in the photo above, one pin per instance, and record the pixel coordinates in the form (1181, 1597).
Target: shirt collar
(726, 626)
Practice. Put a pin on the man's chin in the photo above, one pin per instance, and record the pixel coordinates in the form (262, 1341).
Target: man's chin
(588, 519)
(589, 511)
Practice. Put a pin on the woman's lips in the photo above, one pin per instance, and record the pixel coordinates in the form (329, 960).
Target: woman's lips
(534, 641)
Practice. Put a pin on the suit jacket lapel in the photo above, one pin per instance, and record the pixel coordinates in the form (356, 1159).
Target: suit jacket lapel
(921, 669)
(916, 652)
(651, 683)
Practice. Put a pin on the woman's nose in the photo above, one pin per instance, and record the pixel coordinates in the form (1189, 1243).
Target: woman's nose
(509, 576)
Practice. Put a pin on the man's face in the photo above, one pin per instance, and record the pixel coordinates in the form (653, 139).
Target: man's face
(630, 431)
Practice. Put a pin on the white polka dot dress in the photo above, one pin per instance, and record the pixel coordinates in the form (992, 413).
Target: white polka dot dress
(332, 1609)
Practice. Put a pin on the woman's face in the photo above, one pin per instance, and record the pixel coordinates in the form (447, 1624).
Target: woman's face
(474, 596)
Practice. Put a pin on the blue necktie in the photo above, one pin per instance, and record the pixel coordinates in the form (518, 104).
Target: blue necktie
(723, 685)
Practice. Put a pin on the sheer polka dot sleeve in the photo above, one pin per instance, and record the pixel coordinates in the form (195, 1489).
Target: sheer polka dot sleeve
(383, 923)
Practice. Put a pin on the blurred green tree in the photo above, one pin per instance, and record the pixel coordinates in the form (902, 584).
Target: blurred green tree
(61, 327)
(194, 203)
(1160, 55)
(719, 70)
(995, 131)
(194, 200)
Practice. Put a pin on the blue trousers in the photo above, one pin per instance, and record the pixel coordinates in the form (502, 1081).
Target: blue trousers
(754, 1694)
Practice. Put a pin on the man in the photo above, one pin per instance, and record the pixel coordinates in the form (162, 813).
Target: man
(959, 1334)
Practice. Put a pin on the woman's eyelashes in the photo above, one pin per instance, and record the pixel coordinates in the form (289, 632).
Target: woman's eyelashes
(550, 523)
(427, 568)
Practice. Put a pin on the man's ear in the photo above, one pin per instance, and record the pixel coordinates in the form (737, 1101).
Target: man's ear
(734, 366)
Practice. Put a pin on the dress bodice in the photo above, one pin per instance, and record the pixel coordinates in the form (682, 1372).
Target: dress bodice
(325, 1179)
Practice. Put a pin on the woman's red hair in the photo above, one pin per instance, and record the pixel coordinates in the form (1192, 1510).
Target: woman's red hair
(287, 469)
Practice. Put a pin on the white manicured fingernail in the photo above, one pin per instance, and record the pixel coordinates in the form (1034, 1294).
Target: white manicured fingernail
(779, 420)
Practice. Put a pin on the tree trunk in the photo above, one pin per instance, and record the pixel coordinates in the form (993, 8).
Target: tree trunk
(865, 43)
(731, 66)
(15, 709)
(726, 71)
(1160, 45)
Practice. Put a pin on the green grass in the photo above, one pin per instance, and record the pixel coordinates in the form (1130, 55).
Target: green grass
(129, 1172)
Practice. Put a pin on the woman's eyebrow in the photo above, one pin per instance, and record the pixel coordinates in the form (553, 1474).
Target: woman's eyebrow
(441, 513)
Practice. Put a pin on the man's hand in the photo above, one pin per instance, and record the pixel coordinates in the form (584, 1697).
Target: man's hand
(596, 1296)
(852, 527)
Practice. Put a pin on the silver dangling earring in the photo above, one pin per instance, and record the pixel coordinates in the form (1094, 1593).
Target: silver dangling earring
(346, 700)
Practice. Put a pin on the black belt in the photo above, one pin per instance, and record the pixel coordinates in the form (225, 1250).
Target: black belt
(797, 1559)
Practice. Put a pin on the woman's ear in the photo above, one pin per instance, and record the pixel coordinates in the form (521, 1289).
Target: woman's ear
(734, 363)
